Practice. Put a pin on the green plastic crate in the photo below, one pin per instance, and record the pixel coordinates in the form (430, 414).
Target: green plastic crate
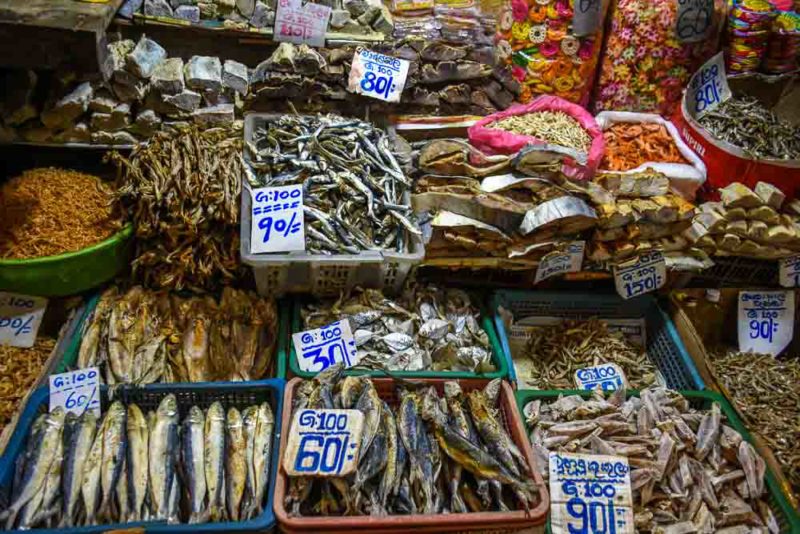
(486, 323)
(788, 518)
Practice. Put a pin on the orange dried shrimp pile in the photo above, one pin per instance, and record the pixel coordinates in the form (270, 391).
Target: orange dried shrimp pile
(19, 369)
(45, 212)
(628, 145)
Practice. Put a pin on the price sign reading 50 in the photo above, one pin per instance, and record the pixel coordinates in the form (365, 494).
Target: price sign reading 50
(323, 443)
(277, 219)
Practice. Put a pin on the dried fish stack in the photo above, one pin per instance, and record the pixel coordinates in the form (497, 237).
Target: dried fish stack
(423, 455)
(690, 472)
(142, 337)
(428, 328)
(182, 192)
(557, 352)
(19, 370)
(764, 390)
(354, 191)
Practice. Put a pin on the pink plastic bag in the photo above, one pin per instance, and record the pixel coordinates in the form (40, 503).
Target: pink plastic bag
(493, 141)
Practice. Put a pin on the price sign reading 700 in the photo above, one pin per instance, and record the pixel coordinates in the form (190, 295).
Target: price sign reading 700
(277, 219)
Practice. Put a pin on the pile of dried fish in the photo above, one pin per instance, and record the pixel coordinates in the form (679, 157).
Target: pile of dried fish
(764, 389)
(427, 455)
(690, 472)
(19, 369)
(137, 467)
(428, 328)
(553, 127)
(745, 122)
(182, 191)
(354, 191)
(558, 351)
(142, 337)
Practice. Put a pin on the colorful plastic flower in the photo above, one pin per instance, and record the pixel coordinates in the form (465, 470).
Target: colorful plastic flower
(548, 49)
(586, 50)
(519, 9)
(518, 73)
(538, 33)
(537, 14)
(563, 9)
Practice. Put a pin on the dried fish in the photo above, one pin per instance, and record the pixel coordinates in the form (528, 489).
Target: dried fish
(19, 370)
(553, 127)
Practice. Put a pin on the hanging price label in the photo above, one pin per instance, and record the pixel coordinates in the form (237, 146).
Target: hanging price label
(708, 88)
(609, 376)
(694, 21)
(277, 223)
(766, 321)
(377, 76)
(20, 317)
(789, 272)
(301, 24)
(555, 263)
(590, 493)
(587, 17)
(646, 274)
(323, 443)
(320, 348)
(76, 391)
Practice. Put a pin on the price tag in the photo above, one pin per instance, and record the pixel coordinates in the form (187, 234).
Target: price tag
(708, 88)
(76, 391)
(20, 317)
(789, 272)
(590, 493)
(766, 321)
(377, 76)
(646, 274)
(609, 376)
(587, 17)
(694, 21)
(555, 263)
(323, 443)
(297, 23)
(277, 219)
(320, 348)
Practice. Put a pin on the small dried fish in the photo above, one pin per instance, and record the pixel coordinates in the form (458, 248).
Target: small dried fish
(553, 127)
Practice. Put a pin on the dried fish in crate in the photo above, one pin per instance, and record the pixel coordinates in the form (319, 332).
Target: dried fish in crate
(428, 328)
(687, 466)
(143, 337)
(355, 195)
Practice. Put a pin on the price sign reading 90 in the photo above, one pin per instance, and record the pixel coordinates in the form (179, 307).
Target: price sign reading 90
(277, 223)
(766, 321)
(20, 317)
(323, 443)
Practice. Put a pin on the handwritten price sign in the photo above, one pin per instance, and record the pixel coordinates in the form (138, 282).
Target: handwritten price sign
(590, 493)
(20, 317)
(789, 272)
(377, 76)
(323, 443)
(646, 274)
(297, 23)
(76, 391)
(609, 376)
(708, 88)
(320, 348)
(694, 20)
(277, 219)
(766, 321)
(555, 263)
(587, 17)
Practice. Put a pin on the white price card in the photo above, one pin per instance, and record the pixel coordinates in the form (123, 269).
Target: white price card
(301, 24)
(76, 391)
(609, 376)
(320, 348)
(708, 88)
(323, 443)
(766, 321)
(277, 223)
(646, 273)
(590, 493)
(20, 317)
(789, 272)
(377, 76)
(587, 17)
(560, 262)
(695, 20)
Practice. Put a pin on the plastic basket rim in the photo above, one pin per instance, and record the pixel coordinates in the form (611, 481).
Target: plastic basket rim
(486, 323)
(119, 237)
(523, 396)
(264, 522)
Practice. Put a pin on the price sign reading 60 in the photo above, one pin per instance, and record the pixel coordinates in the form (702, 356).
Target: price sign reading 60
(323, 442)
(277, 219)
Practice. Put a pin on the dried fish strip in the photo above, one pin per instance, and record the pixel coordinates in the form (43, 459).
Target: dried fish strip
(558, 351)
(553, 127)
(764, 389)
(661, 436)
(144, 337)
(19, 369)
(355, 195)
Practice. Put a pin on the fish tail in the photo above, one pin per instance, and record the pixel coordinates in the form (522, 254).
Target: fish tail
(10, 517)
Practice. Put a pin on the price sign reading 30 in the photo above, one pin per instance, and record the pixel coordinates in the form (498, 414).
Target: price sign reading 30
(323, 443)
(320, 348)
(277, 223)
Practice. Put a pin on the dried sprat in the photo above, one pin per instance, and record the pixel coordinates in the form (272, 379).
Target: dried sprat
(764, 389)
(19, 369)
(559, 350)
(48, 211)
(554, 127)
(182, 191)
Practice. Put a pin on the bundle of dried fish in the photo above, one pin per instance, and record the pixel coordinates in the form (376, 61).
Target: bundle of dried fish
(690, 472)
(427, 328)
(142, 337)
(182, 191)
(553, 127)
(559, 350)
(354, 191)
(764, 389)
(136, 466)
(19, 369)
(745, 122)
(426, 455)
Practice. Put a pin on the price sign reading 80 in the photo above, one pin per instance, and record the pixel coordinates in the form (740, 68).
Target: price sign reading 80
(320, 348)
(708, 87)
(647, 274)
(277, 219)
(323, 443)
(377, 75)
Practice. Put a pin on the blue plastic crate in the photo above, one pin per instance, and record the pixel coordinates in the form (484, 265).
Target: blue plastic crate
(238, 394)
(664, 346)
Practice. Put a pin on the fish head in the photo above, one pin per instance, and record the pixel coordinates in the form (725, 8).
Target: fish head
(452, 390)
(234, 416)
(216, 411)
(168, 407)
